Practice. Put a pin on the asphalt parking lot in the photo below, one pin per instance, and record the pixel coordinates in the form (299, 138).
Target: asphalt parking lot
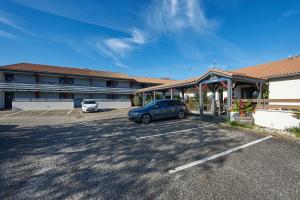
(117, 159)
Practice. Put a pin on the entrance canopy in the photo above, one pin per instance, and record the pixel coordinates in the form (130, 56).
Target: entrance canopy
(213, 80)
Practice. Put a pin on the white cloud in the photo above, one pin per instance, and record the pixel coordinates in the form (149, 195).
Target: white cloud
(7, 35)
(177, 15)
(117, 48)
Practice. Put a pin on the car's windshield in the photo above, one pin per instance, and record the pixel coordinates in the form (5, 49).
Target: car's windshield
(150, 104)
(89, 102)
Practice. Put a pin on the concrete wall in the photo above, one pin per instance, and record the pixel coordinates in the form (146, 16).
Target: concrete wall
(114, 104)
(275, 119)
(42, 105)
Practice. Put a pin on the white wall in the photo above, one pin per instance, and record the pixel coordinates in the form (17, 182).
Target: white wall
(284, 89)
(275, 119)
(42, 105)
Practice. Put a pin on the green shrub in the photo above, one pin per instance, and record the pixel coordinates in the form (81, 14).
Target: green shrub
(137, 100)
(236, 124)
(295, 131)
(192, 104)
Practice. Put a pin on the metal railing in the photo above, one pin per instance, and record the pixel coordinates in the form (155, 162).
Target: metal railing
(41, 100)
(63, 88)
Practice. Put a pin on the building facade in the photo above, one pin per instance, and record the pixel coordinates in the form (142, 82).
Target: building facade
(24, 81)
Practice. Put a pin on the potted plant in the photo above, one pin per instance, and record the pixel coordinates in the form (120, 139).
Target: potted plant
(243, 109)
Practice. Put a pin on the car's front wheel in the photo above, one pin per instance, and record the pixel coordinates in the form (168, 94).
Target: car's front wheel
(181, 115)
(146, 119)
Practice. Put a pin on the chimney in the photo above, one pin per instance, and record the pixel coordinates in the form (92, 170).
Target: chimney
(290, 57)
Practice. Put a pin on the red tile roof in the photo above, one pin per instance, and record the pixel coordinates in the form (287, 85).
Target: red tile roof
(281, 68)
(39, 68)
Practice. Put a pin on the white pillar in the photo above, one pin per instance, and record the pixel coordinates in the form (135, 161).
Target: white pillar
(201, 103)
(171, 93)
(154, 95)
(229, 97)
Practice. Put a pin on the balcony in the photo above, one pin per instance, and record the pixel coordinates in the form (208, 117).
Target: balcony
(12, 86)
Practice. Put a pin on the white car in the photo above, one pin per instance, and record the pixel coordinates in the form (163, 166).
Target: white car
(89, 105)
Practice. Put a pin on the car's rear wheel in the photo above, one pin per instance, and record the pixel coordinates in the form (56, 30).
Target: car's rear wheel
(146, 119)
(181, 115)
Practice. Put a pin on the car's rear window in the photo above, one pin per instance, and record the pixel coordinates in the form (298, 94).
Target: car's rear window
(89, 102)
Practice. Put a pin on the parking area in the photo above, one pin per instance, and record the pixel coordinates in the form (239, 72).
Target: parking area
(112, 158)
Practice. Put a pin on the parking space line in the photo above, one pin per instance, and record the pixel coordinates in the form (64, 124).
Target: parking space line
(44, 112)
(14, 113)
(175, 132)
(183, 167)
(69, 112)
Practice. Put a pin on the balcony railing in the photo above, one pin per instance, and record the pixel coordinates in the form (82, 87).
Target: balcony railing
(63, 88)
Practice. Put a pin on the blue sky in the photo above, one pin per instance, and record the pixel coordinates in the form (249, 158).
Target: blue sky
(156, 38)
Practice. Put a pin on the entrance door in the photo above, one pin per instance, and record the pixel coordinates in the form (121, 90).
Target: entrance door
(8, 97)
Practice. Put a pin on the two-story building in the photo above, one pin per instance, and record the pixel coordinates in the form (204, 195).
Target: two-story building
(25, 81)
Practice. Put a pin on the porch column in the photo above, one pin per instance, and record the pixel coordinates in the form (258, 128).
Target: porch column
(201, 103)
(229, 97)
(144, 98)
(163, 94)
(213, 103)
(154, 95)
(182, 93)
(171, 93)
(260, 90)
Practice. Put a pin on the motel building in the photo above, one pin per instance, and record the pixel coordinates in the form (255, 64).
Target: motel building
(218, 89)
(274, 89)
(37, 87)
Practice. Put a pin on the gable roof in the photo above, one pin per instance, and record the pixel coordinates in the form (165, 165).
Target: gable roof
(195, 80)
(281, 68)
(49, 69)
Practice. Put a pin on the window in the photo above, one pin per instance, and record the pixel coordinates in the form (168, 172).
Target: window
(65, 80)
(179, 103)
(70, 80)
(9, 77)
(63, 95)
(171, 103)
(62, 80)
(111, 83)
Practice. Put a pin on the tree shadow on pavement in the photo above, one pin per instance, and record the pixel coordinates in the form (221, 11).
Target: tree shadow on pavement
(104, 159)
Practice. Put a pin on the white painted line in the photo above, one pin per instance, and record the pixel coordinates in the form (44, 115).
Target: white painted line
(175, 132)
(44, 112)
(183, 167)
(69, 112)
(14, 113)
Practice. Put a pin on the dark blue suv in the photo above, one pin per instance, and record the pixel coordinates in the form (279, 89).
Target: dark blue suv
(159, 109)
